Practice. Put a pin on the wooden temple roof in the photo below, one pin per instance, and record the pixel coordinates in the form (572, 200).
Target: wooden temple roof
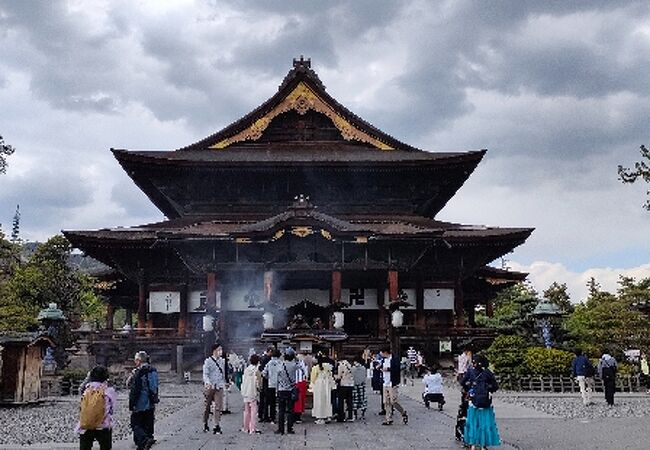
(370, 226)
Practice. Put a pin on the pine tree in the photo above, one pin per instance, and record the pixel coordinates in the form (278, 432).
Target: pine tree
(15, 227)
(5, 150)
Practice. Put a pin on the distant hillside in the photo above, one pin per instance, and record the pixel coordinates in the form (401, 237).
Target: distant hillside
(77, 261)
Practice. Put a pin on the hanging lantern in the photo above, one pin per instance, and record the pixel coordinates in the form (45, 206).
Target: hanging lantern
(267, 317)
(339, 320)
(208, 323)
(397, 318)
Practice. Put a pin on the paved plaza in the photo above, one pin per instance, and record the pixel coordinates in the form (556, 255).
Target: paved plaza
(521, 426)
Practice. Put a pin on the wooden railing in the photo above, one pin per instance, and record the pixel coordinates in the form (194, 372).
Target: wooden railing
(624, 383)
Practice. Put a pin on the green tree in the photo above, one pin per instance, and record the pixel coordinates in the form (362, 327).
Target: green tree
(641, 171)
(47, 278)
(5, 151)
(506, 357)
(609, 322)
(558, 294)
(512, 308)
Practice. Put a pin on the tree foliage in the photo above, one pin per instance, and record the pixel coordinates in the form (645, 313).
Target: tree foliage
(610, 322)
(512, 308)
(5, 151)
(547, 361)
(641, 171)
(558, 294)
(47, 278)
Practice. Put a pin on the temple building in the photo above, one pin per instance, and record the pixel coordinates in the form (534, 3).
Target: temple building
(303, 222)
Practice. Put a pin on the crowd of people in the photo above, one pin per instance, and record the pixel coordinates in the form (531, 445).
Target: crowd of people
(274, 389)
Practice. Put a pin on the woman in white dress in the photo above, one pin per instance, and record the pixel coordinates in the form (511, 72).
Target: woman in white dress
(321, 385)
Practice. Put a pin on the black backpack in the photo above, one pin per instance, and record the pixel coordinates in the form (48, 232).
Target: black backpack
(479, 392)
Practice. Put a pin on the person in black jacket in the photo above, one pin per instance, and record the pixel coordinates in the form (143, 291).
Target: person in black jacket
(391, 378)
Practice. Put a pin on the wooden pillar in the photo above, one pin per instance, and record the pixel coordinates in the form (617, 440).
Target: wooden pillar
(489, 308)
(336, 287)
(420, 319)
(382, 320)
(211, 296)
(150, 325)
(129, 316)
(392, 285)
(142, 306)
(471, 315)
(183, 314)
(459, 309)
(110, 314)
(268, 286)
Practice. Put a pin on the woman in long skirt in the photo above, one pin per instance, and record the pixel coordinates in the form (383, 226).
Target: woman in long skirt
(301, 384)
(480, 426)
(322, 383)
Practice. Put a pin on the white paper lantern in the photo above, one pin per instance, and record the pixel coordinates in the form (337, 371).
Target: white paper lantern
(397, 318)
(339, 319)
(208, 323)
(267, 317)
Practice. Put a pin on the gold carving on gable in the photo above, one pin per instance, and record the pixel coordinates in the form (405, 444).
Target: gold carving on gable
(302, 99)
(302, 232)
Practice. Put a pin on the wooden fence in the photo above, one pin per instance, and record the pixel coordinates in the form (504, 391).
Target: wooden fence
(624, 383)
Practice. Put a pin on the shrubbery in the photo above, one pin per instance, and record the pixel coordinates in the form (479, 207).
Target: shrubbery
(547, 361)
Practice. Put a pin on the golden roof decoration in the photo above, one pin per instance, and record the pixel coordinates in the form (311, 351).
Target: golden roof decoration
(302, 99)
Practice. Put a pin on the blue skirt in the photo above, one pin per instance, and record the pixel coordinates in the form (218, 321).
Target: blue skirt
(481, 427)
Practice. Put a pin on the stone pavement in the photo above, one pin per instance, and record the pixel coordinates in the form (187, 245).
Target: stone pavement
(520, 427)
(426, 429)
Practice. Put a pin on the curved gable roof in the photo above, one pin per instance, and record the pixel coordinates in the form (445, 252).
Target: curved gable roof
(301, 91)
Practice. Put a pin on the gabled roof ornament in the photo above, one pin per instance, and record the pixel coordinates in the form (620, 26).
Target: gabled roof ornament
(302, 66)
(302, 63)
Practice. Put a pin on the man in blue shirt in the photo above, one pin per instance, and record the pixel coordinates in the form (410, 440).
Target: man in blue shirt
(143, 396)
(583, 371)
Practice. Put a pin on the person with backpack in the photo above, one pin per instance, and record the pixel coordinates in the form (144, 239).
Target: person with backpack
(607, 368)
(345, 391)
(583, 371)
(96, 411)
(287, 391)
(480, 425)
(215, 382)
(143, 397)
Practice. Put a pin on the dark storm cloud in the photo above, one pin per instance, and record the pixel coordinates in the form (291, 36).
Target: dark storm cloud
(45, 196)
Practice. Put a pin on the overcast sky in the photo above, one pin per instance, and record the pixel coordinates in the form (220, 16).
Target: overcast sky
(558, 91)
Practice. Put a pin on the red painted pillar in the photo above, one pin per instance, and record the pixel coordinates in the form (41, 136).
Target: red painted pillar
(392, 285)
(336, 287)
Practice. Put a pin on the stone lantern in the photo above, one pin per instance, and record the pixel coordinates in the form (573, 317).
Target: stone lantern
(546, 315)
